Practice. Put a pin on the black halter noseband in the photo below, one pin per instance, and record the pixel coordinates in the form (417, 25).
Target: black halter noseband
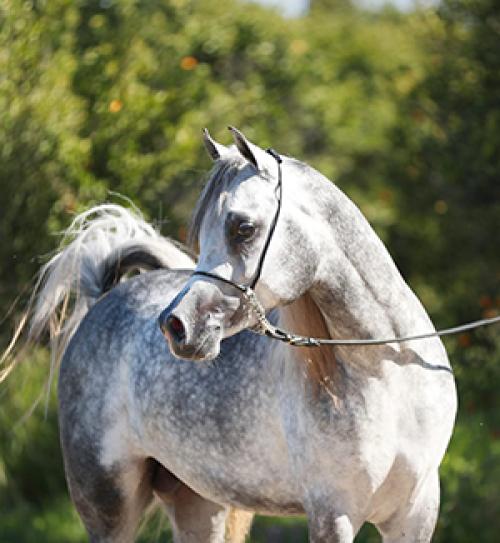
(265, 248)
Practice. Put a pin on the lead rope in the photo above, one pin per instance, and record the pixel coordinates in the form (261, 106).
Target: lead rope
(265, 328)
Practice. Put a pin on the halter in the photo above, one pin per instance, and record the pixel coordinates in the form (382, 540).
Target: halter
(264, 326)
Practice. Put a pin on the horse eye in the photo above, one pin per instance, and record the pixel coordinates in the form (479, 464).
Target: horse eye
(239, 229)
(245, 230)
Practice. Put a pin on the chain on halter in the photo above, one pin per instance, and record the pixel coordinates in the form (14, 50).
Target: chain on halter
(266, 328)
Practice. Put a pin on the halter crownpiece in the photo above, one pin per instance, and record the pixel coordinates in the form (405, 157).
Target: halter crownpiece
(265, 327)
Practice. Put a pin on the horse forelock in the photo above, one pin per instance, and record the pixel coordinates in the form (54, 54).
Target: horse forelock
(304, 317)
(219, 179)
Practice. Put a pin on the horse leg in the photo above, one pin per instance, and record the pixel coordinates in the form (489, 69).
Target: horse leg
(328, 522)
(330, 528)
(196, 520)
(415, 523)
(110, 501)
(238, 525)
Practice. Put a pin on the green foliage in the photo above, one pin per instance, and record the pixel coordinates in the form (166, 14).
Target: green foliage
(401, 110)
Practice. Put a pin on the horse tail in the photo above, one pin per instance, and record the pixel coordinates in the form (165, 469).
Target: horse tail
(98, 249)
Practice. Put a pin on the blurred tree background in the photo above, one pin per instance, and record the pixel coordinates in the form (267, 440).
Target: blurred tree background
(401, 110)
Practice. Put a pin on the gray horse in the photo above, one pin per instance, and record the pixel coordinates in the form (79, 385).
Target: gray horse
(347, 435)
(344, 435)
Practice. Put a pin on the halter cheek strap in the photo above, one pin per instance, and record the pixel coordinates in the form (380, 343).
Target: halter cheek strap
(279, 194)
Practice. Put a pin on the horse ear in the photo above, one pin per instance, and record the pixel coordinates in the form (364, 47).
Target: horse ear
(246, 148)
(215, 150)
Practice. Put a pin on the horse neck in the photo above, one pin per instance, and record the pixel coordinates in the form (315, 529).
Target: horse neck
(357, 293)
(358, 289)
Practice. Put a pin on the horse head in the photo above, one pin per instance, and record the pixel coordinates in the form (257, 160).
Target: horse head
(242, 244)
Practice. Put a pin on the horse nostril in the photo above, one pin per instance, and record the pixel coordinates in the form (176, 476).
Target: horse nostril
(176, 328)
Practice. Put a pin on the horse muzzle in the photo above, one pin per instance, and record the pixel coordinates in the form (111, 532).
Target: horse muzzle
(193, 323)
(199, 346)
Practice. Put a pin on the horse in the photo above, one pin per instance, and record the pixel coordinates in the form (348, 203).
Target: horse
(346, 434)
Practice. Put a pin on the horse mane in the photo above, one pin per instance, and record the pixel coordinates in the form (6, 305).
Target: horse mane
(304, 317)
